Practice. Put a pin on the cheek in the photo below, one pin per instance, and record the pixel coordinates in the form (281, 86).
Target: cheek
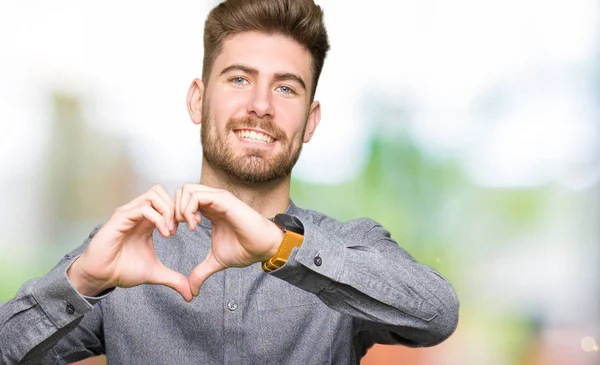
(227, 105)
(291, 117)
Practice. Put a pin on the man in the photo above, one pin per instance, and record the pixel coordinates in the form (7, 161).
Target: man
(276, 284)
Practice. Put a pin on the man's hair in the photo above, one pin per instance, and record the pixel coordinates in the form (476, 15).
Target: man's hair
(301, 20)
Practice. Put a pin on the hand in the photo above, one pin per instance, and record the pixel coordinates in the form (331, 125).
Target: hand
(240, 235)
(122, 252)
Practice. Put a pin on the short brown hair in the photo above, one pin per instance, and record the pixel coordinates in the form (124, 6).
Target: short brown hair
(301, 20)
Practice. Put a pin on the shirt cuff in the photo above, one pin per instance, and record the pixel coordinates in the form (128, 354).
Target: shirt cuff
(317, 263)
(59, 299)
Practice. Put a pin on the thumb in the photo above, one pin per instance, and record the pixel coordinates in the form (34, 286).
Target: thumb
(165, 276)
(205, 269)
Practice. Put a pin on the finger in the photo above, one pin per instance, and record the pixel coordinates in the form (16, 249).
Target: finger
(140, 213)
(202, 272)
(171, 203)
(163, 193)
(189, 212)
(165, 276)
(186, 192)
(178, 214)
(159, 220)
(199, 200)
(154, 198)
(189, 189)
(161, 205)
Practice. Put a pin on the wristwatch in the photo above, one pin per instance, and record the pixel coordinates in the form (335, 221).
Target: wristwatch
(293, 237)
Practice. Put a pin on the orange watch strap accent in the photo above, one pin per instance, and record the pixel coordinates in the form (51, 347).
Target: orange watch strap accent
(290, 240)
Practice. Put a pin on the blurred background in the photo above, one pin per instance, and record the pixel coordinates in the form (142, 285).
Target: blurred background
(470, 129)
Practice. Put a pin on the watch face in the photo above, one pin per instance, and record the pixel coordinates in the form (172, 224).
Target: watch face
(289, 223)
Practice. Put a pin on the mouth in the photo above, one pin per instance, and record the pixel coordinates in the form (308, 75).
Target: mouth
(253, 135)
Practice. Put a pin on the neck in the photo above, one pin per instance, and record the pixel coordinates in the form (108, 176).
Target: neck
(267, 198)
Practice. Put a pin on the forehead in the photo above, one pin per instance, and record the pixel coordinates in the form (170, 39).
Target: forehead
(268, 53)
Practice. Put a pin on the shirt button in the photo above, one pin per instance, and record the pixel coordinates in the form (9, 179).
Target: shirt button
(317, 260)
(232, 305)
(70, 309)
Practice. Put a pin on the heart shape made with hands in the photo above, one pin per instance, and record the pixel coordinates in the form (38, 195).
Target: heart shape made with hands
(122, 253)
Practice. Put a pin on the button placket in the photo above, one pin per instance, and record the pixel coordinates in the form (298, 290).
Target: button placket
(232, 305)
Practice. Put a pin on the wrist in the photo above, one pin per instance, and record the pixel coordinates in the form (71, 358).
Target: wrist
(291, 236)
(275, 237)
(83, 283)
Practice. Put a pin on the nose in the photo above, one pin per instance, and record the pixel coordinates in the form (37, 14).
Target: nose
(260, 102)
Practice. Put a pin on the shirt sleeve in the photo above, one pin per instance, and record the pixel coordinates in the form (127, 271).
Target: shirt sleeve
(360, 271)
(49, 322)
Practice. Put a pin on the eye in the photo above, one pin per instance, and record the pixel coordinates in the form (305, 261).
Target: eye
(238, 81)
(286, 90)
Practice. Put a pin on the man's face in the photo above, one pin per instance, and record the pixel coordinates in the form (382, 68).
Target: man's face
(256, 109)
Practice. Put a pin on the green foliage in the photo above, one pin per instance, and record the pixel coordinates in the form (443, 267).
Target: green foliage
(15, 274)
(400, 188)
(429, 205)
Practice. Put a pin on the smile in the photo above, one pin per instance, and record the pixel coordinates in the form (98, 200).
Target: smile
(254, 136)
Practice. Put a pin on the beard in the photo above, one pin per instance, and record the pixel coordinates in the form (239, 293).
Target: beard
(253, 165)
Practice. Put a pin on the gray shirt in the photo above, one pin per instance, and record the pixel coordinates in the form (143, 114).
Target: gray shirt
(362, 289)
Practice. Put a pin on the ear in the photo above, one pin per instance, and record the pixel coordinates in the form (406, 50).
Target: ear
(194, 100)
(314, 117)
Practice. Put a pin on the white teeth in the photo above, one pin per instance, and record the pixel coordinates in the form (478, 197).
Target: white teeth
(254, 136)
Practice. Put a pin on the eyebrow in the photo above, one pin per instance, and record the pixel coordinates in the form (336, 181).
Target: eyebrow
(238, 67)
(290, 76)
(283, 76)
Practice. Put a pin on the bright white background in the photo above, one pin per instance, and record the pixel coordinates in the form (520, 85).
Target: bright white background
(133, 61)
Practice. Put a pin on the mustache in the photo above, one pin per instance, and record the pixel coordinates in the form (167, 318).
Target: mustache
(250, 122)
